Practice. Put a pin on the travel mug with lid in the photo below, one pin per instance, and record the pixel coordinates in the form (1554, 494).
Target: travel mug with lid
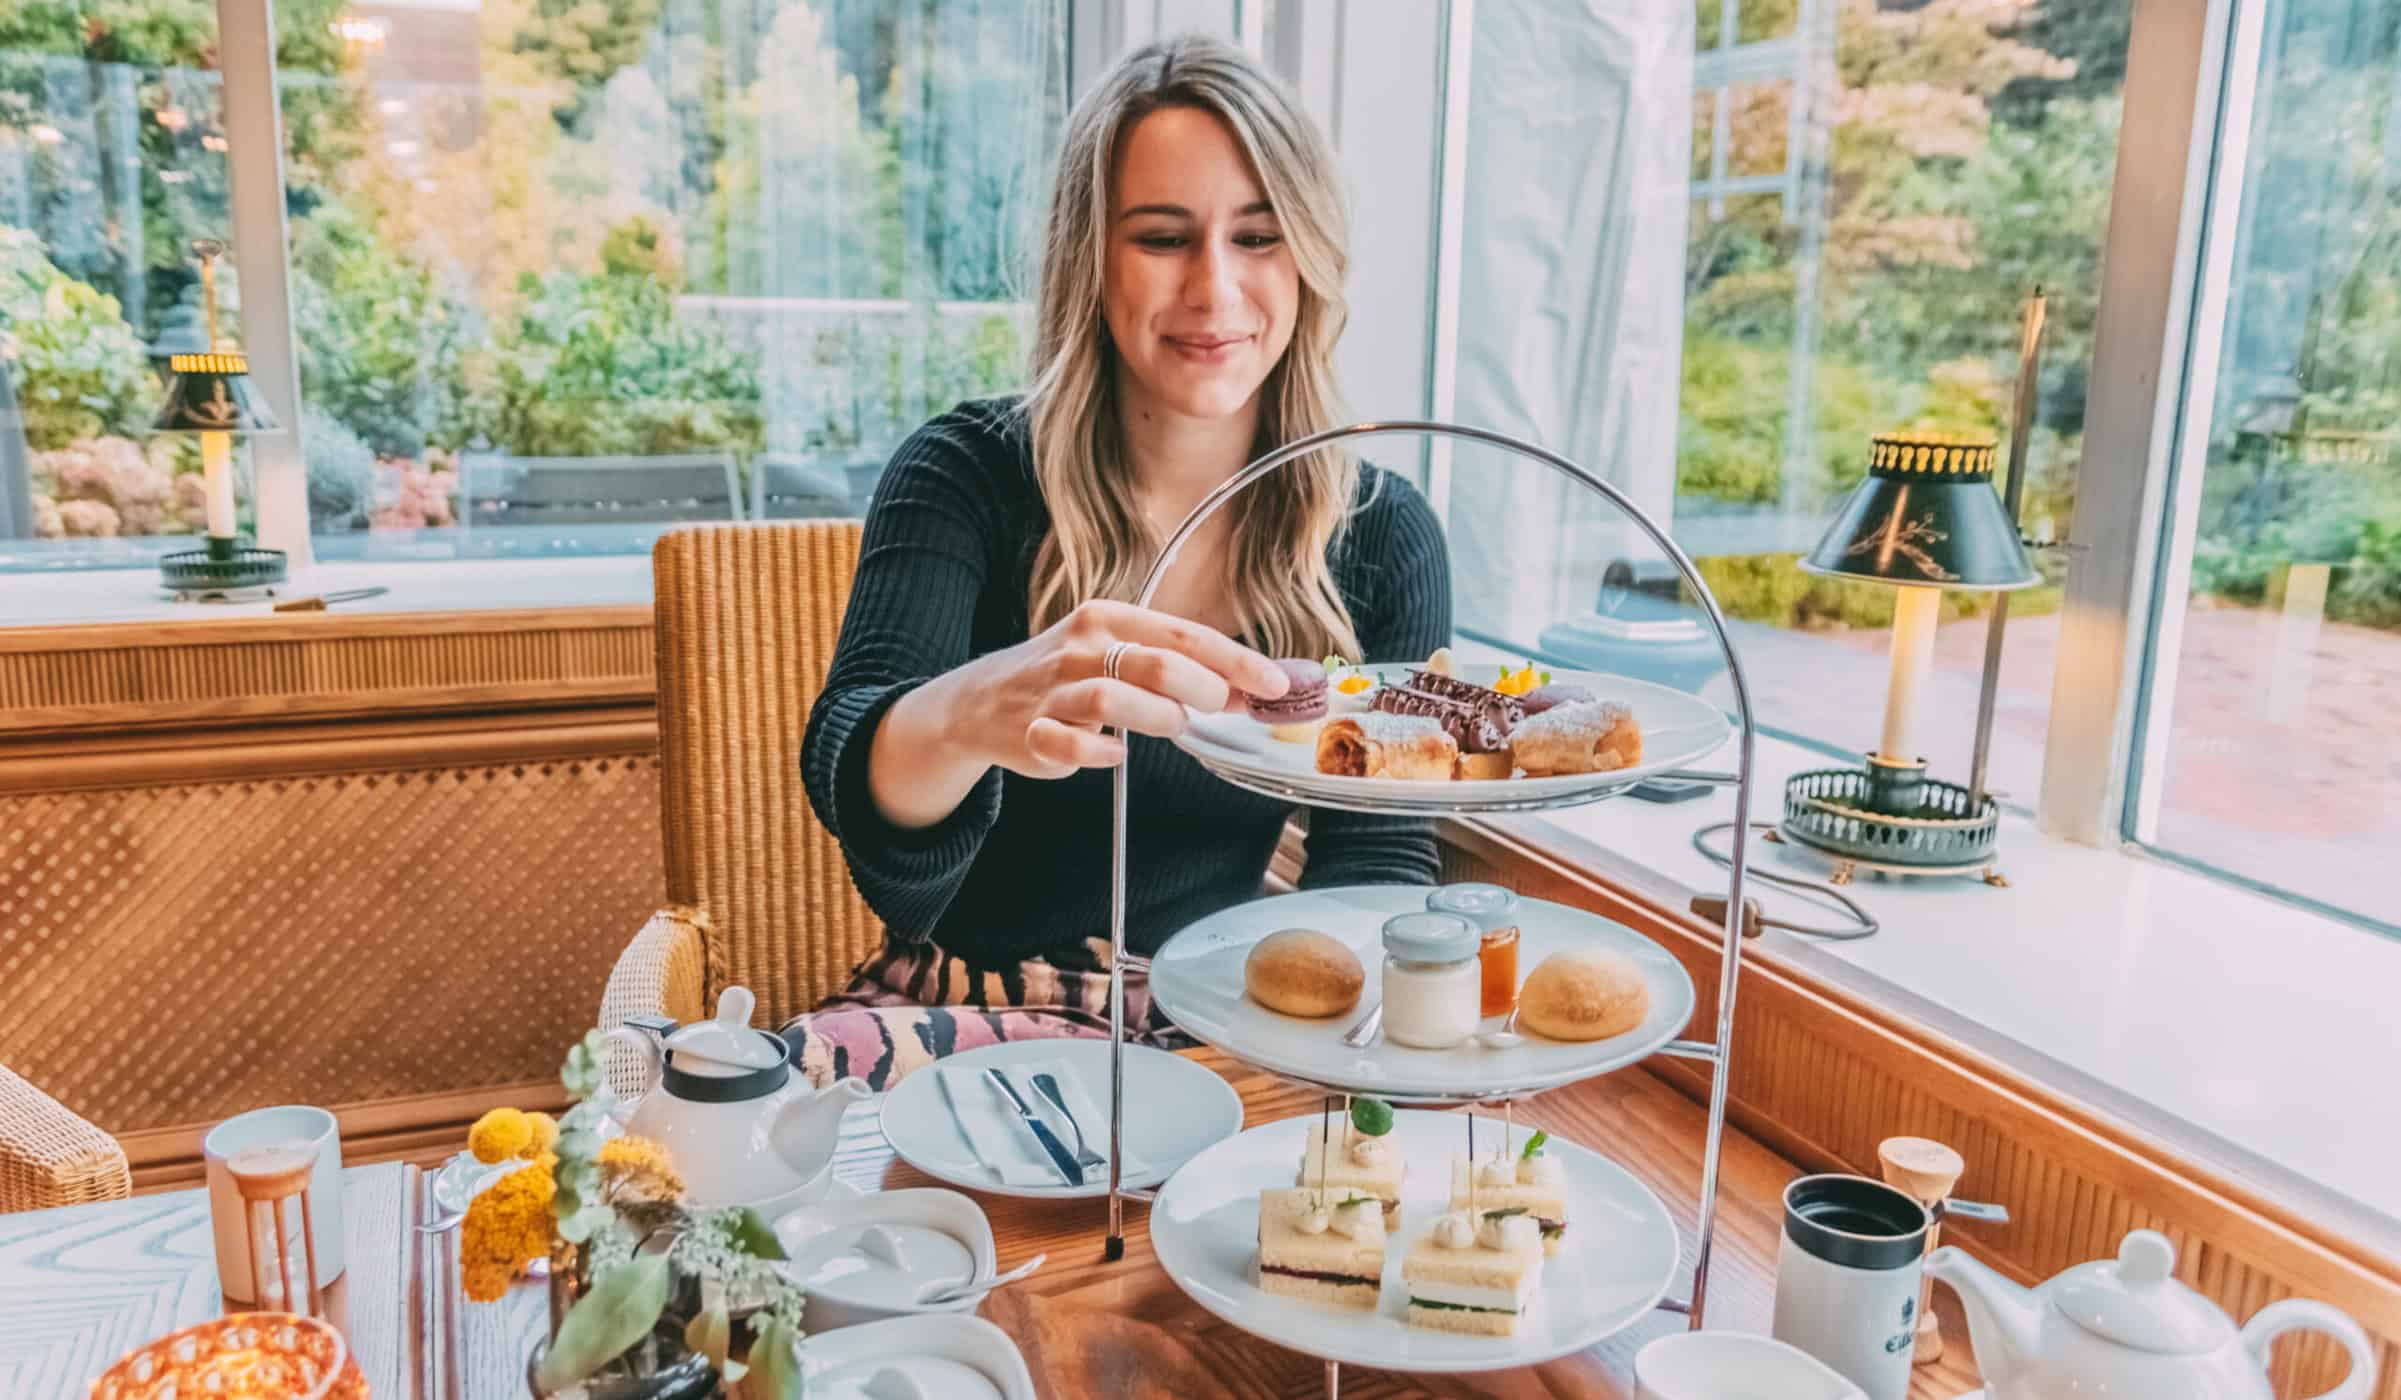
(1847, 1278)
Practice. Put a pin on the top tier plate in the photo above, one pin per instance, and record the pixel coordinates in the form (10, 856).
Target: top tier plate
(1677, 731)
(1197, 980)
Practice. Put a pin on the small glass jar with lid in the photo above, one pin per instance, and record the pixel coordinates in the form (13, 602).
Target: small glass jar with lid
(1493, 910)
(1432, 982)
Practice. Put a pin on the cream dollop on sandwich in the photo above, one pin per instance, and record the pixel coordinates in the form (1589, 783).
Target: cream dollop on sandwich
(1512, 1232)
(1541, 1170)
(1456, 1230)
(1369, 1151)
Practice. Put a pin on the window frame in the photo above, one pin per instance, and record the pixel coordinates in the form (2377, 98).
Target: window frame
(2192, 71)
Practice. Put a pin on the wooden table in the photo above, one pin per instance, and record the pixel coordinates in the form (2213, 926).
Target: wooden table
(80, 1286)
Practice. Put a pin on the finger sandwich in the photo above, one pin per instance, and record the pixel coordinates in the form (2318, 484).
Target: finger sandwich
(1474, 1272)
(1323, 1246)
(1531, 1181)
(1370, 1166)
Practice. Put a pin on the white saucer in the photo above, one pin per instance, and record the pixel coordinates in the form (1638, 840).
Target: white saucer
(1173, 1109)
(852, 1356)
(1677, 730)
(1196, 979)
(1620, 1252)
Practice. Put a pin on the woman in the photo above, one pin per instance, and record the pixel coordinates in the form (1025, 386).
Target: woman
(1190, 299)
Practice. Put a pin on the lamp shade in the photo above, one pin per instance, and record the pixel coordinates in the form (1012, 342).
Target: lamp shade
(1926, 514)
(210, 393)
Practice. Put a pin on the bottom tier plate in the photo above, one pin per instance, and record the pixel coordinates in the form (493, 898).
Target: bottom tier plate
(1620, 1253)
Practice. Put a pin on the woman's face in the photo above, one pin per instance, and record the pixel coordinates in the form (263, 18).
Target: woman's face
(1200, 290)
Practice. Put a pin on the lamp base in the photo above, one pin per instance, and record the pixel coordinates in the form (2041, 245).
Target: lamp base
(222, 566)
(1847, 812)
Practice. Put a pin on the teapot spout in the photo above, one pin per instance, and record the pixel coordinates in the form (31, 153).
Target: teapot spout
(2002, 1317)
(810, 1125)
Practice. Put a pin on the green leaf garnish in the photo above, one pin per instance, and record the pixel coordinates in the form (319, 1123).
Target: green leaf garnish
(1533, 1147)
(1355, 1200)
(1504, 1214)
(1372, 1117)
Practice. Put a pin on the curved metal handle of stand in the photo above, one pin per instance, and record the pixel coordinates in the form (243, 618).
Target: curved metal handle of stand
(1730, 962)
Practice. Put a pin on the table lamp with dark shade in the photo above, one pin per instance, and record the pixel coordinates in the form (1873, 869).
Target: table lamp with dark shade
(208, 393)
(1926, 519)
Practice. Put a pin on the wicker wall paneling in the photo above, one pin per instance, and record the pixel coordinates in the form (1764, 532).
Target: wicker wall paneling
(179, 952)
(1824, 1086)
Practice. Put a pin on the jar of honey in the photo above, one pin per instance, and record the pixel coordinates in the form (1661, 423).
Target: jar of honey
(1493, 911)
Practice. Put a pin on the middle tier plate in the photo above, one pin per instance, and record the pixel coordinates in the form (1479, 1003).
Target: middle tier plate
(1196, 979)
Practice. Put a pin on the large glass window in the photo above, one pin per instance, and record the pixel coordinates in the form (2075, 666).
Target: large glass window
(566, 273)
(1871, 191)
(112, 161)
(2275, 752)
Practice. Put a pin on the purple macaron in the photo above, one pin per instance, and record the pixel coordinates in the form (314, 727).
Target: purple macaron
(1303, 700)
(1551, 697)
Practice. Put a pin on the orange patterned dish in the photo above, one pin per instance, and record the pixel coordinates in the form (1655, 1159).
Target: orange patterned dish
(248, 1356)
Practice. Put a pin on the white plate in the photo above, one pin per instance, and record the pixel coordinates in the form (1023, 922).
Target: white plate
(1677, 730)
(1197, 980)
(1173, 1109)
(1621, 1252)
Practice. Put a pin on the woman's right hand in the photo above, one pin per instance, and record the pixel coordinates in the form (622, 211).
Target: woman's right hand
(1039, 708)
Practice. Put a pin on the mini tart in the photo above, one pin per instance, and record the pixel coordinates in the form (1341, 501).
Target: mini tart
(1547, 1204)
(1478, 1290)
(1327, 1267)
(1344, 1174)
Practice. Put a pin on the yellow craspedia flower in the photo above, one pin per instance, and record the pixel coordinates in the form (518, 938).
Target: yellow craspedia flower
(640, 1166)
(507, 1227)
(499, 1135)
(546, 1134)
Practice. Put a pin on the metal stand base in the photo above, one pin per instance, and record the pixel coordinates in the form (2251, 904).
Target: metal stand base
(1716, 1051)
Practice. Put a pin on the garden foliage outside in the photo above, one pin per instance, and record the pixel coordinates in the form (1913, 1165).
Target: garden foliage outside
(663, 226)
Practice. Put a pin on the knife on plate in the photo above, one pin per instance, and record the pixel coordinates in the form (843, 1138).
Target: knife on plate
(1060, 1157)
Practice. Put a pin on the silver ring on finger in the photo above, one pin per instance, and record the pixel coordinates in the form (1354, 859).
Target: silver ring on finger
(1114, 658)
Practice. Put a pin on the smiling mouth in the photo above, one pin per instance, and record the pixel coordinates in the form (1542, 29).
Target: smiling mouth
(1205, 344)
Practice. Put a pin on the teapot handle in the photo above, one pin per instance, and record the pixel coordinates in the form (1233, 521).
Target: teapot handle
(648, 1036)
(2301, 1315)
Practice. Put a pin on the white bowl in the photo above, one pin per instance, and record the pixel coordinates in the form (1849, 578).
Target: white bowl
(1734, 1366)
(865, 1260)
(840, 1364)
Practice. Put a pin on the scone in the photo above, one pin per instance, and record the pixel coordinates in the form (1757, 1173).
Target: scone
(1369, 1166)
(1328, 1253)
(1582, 996)
(1533, 1182)
(1474, 1273)
(1302, 972)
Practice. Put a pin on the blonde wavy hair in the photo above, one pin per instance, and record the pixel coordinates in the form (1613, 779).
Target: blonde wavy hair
(1099, 546)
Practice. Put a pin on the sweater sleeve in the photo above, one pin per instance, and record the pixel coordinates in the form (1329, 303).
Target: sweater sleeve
(1401, 604)
(923, 563)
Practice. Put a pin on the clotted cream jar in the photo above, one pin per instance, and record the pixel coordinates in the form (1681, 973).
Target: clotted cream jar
(1433, 984)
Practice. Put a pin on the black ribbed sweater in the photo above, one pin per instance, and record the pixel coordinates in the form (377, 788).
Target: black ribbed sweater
(1021, 868)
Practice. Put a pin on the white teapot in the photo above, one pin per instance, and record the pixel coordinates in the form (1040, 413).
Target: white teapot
(2125, 1327)
(740, 1126)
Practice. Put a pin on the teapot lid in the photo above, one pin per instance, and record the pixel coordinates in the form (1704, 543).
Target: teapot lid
(726, 1045)
(2135, 1300)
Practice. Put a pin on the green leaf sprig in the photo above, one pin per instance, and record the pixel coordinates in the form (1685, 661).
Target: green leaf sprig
(1505, 1213)
(1372, 1117)
(1534, 1145)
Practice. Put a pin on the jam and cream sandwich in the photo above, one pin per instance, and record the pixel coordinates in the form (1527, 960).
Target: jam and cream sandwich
(1355, 1162)
(1324, 1246)
(1531, 1180)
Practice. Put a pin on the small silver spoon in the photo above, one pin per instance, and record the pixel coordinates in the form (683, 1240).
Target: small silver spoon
(937, 1293)
(1364, 1034)
(1505, 1037)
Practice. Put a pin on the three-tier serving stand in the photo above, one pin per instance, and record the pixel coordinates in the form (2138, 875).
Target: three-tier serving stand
(1717, 1052)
